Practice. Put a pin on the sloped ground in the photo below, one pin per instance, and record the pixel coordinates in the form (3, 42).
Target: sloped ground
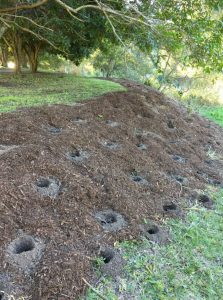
(75, 179)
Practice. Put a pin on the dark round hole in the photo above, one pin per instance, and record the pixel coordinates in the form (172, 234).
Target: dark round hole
(176, 157)
(216, 182)
(107, 255)
(109, 144)
(25, 244)
(170, 124)
(78, 120)
(142, 146)
(43, 183)
(199, 172)
(204, 199)
(153, 229)
(1, 295)
(137, 178)
(179, 158)
(179, 179)
(76, 153)
(110, 218)
(169, 207)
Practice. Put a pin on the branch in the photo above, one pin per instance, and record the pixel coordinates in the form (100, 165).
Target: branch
(104, 8)
(39, 37)
(22, 7)
(29, 20)
(111, 24)
(76, 10)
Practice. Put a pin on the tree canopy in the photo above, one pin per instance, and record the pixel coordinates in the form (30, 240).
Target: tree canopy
(74, 29)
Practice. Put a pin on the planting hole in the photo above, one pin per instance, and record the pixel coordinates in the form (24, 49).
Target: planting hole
(55, 130)
(214, 181)
(180, 179)
(75, 154)
(200, 172)
(24, 244)
(25, 253)
(78, 156)
(110, 218)
(79, 120)
(170, 124)
(1, 295)
(169, 207)
(43, 183)
(48, 186)
(110, 144)
(107, 255)
(137, 178)
(153, 229)
(142, 146)
(179, 158)
(204, 199)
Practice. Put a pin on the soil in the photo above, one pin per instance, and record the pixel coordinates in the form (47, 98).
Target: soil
(56, 183)
(155, 233)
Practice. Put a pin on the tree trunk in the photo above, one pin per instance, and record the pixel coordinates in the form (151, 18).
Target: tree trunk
(17, 52)
(34, 64)
(24, 60)
(17, 62)
(4, 56)
(32, 51)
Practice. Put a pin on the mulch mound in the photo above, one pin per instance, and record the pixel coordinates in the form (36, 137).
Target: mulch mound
(68, 173)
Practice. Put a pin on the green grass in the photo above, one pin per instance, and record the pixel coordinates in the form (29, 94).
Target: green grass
(42, 89)
(189, 268)
(214, 113)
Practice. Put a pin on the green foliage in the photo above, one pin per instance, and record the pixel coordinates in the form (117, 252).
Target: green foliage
(44, 89)
(190, 30)
(6, 3)
(193, 29)
(50, 62)
(117, 61)
(73, 38)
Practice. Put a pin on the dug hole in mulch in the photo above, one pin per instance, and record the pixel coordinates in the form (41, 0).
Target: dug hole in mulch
(72, 182)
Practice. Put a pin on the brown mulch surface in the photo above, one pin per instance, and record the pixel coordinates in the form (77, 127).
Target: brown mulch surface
(176, 146)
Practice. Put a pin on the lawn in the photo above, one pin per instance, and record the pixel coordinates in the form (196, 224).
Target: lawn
(42, 89)
(214, 113)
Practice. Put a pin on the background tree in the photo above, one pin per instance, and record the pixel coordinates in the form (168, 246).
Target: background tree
(74, 28)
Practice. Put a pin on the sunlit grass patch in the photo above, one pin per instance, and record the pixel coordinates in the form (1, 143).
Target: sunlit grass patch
(214, 113)
(45, 89)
